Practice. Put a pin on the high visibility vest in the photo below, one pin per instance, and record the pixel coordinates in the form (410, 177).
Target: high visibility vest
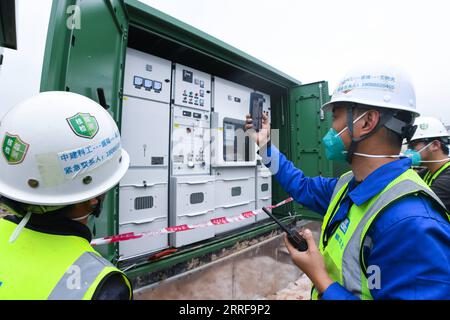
(342, 250)
(429, 178)
(40, 266)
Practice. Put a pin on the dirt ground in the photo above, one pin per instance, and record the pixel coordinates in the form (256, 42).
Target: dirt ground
(298, 290)
(261, 272)
(301, 288)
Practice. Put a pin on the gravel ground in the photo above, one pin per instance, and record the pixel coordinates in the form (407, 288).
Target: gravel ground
(298, 290)
(301, 288)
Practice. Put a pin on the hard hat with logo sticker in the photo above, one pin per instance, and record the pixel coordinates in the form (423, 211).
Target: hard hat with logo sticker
(59, 148)
(376, 85)
(429, 127)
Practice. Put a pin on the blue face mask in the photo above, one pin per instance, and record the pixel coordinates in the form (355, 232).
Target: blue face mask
(334, 145)
(416, 158)
(414, 155)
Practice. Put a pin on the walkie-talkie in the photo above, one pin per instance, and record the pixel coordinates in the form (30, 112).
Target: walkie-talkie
(256, 110)
(294, 238)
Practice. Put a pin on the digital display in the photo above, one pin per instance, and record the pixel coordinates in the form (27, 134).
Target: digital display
(148, 84)
(138, 81)
(197, 115)
(236, 143)
(157, 160)
(256, 109)
(188, 76)
(157, 86)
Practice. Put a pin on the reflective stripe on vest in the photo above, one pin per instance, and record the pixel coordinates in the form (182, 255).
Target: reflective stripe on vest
(342, 182)
(87, 267)
(429, 178)
(40, 266)
(351, 275)
(348, 271)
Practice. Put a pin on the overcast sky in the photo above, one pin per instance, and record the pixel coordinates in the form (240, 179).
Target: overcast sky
(309, 40)
(320, 40)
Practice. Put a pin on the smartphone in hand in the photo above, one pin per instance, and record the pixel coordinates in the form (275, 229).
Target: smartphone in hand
(256, 110)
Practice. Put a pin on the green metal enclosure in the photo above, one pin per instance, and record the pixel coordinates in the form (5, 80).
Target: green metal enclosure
(84, 59)
(308, 125)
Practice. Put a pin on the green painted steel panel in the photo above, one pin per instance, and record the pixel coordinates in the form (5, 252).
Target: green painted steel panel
(84, 59)
(280, 121)
(308, 125)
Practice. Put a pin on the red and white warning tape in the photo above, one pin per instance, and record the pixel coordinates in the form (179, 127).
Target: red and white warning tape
(184, 227)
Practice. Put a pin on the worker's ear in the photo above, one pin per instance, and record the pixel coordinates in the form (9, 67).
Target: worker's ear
(435, 146)
(369, 122)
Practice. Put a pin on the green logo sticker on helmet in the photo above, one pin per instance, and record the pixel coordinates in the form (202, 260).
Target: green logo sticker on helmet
(83, 125)
(14, 149)
(424, 126)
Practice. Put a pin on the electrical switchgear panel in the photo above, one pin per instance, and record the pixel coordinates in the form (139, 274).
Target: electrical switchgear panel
(147, 76)
(145, 133)
(231, 146)
(190, 141)
(192, 88)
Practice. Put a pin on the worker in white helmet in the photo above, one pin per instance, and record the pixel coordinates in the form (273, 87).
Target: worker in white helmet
(60, 154)
(385, 234)
(429, 148)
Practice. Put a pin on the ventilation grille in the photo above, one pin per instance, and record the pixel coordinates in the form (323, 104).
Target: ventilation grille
(142, 203)
(197, 197)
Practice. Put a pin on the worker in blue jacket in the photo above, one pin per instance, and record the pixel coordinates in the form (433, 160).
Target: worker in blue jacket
(385, 234)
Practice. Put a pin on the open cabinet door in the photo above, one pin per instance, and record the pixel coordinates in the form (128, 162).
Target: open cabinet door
(85, 50)
(308, 125)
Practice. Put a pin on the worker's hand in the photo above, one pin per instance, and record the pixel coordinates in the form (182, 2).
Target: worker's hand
(311, 261)
(263, 136)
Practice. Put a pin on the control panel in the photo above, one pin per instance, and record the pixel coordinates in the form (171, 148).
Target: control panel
(231, 146)
(190, 141)
(192, 88)
(147, 76)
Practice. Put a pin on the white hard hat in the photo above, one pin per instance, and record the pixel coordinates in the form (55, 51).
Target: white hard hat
(429, 127)
(376, 85)
(59, 148)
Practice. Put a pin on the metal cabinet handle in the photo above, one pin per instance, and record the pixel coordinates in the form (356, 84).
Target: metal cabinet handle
(142, 185)
(196, 214)
(236, 204)
(142, 221)
(195, 182)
